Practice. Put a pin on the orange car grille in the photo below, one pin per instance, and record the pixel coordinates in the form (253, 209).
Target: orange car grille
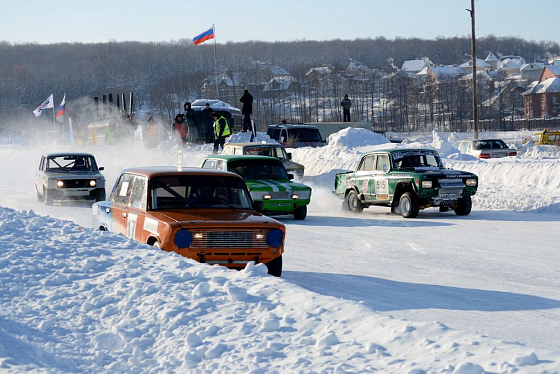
(228, 239)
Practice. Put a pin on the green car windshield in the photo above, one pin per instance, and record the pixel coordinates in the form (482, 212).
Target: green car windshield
(198, 191)
(258, 169)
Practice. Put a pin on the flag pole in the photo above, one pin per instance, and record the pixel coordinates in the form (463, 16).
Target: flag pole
(216, 64)
(54, 118)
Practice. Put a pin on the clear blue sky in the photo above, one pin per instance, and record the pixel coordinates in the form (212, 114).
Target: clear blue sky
(268, 20)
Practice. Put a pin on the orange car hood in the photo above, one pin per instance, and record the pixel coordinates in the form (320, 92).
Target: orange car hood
(218, 218)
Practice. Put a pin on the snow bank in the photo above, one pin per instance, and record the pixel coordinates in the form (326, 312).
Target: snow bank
(355, 137)
(77, 300)
(532, 151)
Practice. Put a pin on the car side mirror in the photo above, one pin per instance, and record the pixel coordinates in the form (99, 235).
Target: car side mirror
(258, 206)
(289, 156)
(101, 168)
(290, 176)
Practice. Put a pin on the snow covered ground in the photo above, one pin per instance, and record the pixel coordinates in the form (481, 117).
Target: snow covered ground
(359, 293)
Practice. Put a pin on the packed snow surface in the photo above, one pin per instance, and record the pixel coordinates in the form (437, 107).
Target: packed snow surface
(359, 294)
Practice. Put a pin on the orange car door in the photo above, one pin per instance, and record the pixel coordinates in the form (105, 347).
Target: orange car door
(120, 208)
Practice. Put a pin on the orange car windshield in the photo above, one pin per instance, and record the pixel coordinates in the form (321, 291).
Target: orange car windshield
(198, 192)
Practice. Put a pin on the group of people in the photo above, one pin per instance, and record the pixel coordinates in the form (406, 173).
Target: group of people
(186, 123)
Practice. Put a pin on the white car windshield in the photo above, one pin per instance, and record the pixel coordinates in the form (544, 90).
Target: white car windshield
(489, 144)
(71, 163)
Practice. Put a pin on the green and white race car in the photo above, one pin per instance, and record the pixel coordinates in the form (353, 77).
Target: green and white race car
(270, 186)
(407, 180)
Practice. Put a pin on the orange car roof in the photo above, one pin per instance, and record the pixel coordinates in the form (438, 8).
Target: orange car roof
(151, 171)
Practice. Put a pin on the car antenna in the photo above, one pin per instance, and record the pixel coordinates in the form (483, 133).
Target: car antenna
(179, 160)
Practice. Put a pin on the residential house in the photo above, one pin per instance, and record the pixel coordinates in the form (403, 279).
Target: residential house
(543, 99)
(439, 74)
(318, 73)
(280, 85)
(555, 60)
(531, 72)
(510, 64)
(230, 84)
(549, 71)
(480, 65)
(492, 60)
(264, 72)
(412, 67)
(357, 70)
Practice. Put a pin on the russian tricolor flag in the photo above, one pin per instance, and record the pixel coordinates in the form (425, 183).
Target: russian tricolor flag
(61, 109)
(206, 35)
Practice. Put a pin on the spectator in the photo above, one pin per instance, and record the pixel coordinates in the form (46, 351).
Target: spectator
(110, 134)
(247, 110)
(153, 134)
(190, 121)
(346, 103)
(221, 131)
(207, 111)
(180, 128)
(207, 121)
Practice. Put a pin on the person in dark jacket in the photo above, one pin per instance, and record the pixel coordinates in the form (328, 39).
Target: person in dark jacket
(346, 103)
(180, 128)
(221, 131)
(207, 111)
(190, 121)
(246, 110)
(207, 121)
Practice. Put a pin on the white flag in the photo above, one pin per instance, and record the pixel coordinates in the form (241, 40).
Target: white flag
(46, 104)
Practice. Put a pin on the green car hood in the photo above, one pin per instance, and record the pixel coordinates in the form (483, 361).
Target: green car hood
(274, 185)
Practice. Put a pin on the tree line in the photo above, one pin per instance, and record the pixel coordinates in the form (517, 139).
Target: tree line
(161, 74)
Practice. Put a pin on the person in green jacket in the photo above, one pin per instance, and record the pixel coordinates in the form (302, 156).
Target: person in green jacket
(110, 134)
(221, 131)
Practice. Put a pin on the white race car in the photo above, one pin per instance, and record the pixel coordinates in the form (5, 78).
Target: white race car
(69, 176)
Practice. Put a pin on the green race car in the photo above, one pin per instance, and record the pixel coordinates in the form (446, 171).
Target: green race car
(407, 180)
(270, 186)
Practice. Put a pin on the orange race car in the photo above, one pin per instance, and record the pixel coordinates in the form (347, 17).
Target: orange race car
(206, 215)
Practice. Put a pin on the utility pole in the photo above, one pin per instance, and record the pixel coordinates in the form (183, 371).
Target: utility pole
(473, 53)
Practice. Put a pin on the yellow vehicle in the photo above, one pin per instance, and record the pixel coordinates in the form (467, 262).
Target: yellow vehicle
(546, 137)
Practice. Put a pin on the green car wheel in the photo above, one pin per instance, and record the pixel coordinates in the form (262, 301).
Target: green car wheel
(301, 212)
(353, 202)
(465, 206)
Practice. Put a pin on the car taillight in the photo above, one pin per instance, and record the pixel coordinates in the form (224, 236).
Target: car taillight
(513, 153)
(484, 155)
